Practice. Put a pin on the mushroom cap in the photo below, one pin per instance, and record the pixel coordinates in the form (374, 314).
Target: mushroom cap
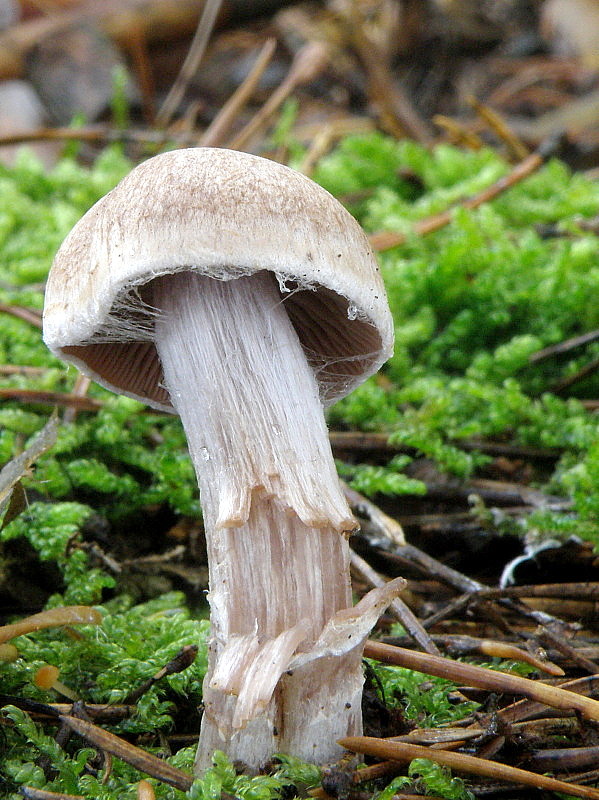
(223, 214)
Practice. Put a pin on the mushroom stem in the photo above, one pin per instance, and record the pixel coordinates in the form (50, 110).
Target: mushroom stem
(275, 519)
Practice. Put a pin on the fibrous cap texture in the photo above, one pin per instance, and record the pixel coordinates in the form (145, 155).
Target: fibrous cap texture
(224, 214)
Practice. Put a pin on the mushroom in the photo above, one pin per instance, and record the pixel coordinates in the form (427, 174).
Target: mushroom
(46, 677)
(242, 295)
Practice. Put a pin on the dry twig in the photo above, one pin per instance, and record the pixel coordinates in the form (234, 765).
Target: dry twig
(221, 124)
(13, 471)
(564, 347)
(385, 240)
(80, 389)
(515, 145)
(467, 674)
(52, 618)
(138, 758)
(51, 398)
(565, 383)
(191, 63)
(307, 64)
(31, 793)
(26, 314)
(398, 115)
(396, 607)
(182, 660)
(467, 645)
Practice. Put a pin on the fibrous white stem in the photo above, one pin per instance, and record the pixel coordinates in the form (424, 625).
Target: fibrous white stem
(274, 517)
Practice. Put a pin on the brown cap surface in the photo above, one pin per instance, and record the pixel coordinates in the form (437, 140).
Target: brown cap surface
(224, 214)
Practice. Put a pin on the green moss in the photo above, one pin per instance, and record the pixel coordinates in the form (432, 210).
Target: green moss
(423, 698)
(122, 460)
(471, 303)
(287, 775)
(29, 773)
(488, 279)
(438, 780)
(389, 480)
(103, 665)
(48, 528)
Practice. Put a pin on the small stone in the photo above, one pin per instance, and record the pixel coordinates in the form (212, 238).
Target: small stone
(21, 111)
(73, 73)
(10, 13)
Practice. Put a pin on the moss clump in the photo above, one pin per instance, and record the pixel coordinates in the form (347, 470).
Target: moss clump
(424, 699)
(287, 774)
(103, 665)
(471, 304)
